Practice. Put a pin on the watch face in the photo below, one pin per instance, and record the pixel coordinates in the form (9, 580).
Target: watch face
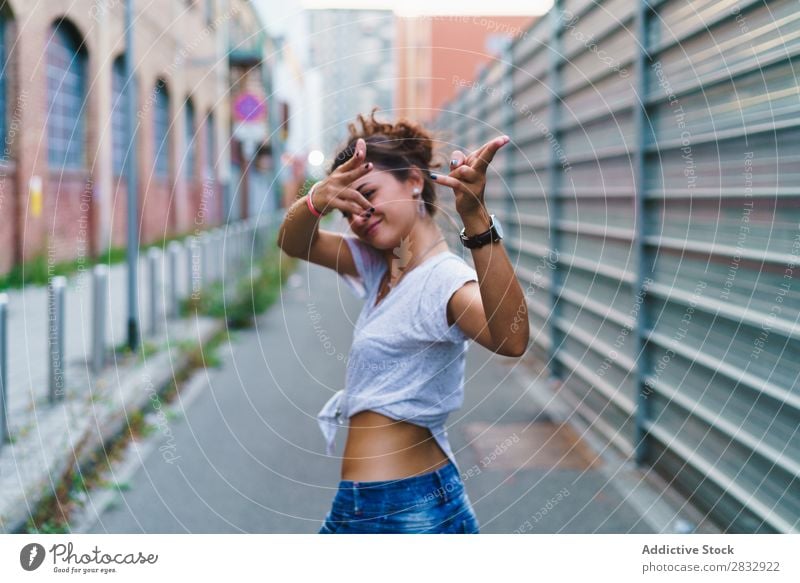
(497, 226)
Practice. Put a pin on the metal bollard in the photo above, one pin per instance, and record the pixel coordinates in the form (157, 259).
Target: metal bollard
(173, 252)
(210, 260)
(217, 255)
(225, 253)
(252, 249)
(230, 255)
(4, 434)
(205, 275)
(239, 237)
(154, 261)
(192, 287)
(55, 337)
(100, 305)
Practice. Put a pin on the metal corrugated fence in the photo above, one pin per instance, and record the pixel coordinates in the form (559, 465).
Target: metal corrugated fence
(676, 335)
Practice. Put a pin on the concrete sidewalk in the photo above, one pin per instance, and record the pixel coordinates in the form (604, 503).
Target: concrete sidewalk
(47, 439)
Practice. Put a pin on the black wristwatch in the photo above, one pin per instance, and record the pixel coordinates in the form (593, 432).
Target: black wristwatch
(495, 233)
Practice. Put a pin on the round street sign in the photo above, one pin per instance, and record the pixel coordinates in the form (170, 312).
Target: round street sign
(248, 107)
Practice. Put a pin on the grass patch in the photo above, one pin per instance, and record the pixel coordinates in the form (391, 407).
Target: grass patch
(251, 295)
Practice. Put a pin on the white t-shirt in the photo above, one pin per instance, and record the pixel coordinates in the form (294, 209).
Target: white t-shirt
(405, 361)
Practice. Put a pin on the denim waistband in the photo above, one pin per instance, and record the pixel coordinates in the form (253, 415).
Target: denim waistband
(442, 483)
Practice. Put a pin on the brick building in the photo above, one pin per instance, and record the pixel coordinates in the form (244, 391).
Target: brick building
(64, 118)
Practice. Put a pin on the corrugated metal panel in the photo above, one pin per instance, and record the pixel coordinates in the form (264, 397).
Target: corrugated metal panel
(676, 336)
(723, 100)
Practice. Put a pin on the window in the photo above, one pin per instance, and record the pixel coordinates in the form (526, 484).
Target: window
(120, 138)
(66, 82)
(210, 145)
(161, 129)
(188, 163)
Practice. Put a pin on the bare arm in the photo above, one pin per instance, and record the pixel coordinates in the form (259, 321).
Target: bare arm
(496, 313)
(299, 234)
(299, 229)
(493, 312)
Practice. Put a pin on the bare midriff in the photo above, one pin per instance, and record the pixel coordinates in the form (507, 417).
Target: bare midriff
(382, 448)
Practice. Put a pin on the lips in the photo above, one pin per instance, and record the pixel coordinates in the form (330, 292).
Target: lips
(371, 229)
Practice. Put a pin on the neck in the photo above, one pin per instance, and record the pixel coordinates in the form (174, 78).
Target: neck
(421, 239)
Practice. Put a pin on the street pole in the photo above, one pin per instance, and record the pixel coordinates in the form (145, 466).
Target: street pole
(133, 212)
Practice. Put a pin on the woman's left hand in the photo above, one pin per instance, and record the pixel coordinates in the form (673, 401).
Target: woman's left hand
(467, 176)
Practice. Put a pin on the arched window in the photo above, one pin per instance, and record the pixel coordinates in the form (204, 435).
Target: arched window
(210, 145)
(188, 128)
(161, 129)
(120, 137)
(66, 94)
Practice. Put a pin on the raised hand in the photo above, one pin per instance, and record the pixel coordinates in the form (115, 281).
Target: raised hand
(335, 191)
(467, 175)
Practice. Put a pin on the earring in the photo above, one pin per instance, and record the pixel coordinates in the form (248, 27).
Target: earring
(421, 207)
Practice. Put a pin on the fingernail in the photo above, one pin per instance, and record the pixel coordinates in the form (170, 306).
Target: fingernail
(434, 176)
(372, 209)
(453, 162)
(368, 164)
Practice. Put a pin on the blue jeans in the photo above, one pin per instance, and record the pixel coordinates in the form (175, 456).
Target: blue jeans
(435, 502)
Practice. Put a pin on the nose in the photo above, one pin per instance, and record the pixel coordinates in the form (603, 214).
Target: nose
(358, 220)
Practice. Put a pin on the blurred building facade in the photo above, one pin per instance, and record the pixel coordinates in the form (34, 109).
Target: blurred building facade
(354, 53)
(255, 116)
(435, 51)
(64, 98)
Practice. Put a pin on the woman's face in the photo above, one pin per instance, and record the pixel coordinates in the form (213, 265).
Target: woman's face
(395, 208)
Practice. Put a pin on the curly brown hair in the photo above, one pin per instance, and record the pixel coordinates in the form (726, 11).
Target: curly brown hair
(396, 147)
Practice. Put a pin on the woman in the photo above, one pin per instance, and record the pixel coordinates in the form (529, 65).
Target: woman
(405, 371)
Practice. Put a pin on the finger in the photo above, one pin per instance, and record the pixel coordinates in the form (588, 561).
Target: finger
(457, 159)
(359, 154)
(453, 183)
(466, 173)
(357, 199)
(350, 176)
(349, 205)
(486, 154)
(347, 200)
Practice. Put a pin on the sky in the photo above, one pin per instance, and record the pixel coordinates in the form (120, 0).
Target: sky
(414, 7)
(276, 14)
(403, 7)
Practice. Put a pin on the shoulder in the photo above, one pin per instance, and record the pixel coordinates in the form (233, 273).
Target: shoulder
(366, 252)
(446, 277)
(369, 263)
(452, 267)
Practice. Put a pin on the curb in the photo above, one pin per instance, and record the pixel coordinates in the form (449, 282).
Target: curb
(67, 434)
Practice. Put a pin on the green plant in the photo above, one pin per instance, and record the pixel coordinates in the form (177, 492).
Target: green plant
(49, 527)
(147, 349)
(78, 483)
(241, 302)
(38, 271)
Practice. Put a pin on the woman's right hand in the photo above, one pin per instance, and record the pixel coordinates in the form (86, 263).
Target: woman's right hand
(335, 191)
